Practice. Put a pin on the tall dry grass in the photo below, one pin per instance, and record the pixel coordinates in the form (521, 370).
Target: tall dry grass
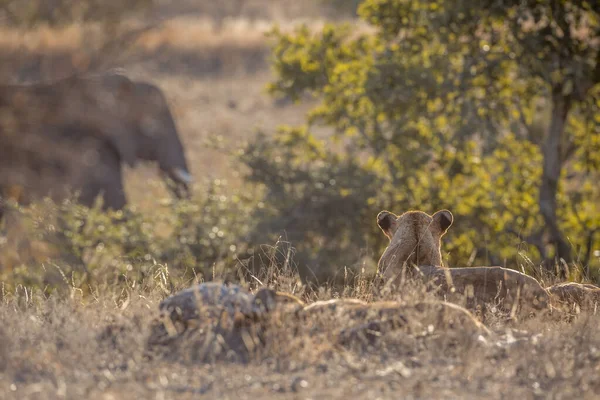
(95, 347)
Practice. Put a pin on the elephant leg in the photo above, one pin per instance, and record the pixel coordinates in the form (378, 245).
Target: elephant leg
(104, 179)
(7, 193)
(114, 193)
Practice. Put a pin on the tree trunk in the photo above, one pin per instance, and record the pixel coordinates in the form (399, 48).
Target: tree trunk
(551, 174)
(588, 253)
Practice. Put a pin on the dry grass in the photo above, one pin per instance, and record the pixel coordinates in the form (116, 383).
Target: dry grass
(95, 347)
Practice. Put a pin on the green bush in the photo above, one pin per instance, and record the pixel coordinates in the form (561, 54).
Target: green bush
(193, 239)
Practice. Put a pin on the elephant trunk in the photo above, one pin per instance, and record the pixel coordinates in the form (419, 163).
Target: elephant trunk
(172, 160)
(182, 181)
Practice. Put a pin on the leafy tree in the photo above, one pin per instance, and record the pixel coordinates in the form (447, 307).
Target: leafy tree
(445, 105)
(554, 44)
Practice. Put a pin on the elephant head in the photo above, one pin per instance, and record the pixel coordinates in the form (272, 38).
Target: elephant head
(152, 133)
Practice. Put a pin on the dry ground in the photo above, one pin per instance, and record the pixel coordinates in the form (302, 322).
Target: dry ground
(94, 348)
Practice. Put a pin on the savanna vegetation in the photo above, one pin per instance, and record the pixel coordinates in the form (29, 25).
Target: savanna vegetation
(300, 124)
(491, 112)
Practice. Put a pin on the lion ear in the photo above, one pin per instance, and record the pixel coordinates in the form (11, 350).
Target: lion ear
(386, 221)
(443, 219)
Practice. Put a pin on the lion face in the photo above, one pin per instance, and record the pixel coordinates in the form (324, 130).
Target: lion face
(415, 238)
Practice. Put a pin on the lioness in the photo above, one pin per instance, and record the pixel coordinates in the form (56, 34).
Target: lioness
(415, 248)
(415, 242)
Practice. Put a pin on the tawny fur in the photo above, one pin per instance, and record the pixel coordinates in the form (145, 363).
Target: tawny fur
(415, 239)
(415, 246)
(415, 250)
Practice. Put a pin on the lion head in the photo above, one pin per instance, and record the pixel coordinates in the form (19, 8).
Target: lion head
(415, 238)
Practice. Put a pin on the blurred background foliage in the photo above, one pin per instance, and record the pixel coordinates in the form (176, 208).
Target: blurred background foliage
(61, 12)
(490, 109)
(195, 239)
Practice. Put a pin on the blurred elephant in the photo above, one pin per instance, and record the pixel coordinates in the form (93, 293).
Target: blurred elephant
(75, 134)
